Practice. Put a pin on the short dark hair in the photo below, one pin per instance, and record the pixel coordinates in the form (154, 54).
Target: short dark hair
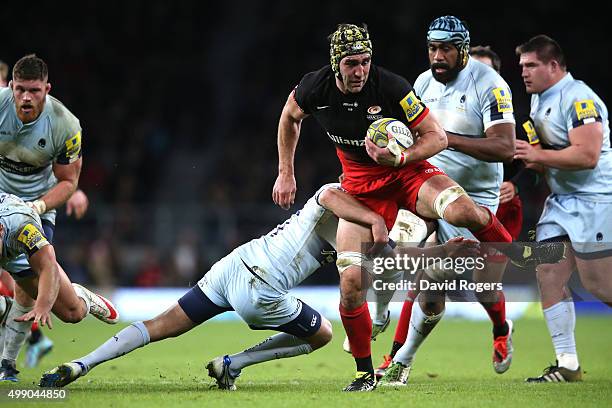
(486, 51)
(30, 68)
(545, 48)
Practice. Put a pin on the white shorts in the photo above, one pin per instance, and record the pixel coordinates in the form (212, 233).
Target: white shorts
(587, 223)
(230, 284)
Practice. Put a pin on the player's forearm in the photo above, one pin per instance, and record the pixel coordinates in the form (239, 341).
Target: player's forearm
(348, 208)
(48, 286)
(485, 149)
(427, 145)
(288, 135)
(570, 158)
(59, 194)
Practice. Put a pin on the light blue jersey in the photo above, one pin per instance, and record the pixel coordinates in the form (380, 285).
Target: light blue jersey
(256, 277)
(474, 101)
(296, 248)
(28, 151)
(564, 106)
(580, 205)
(22, 233)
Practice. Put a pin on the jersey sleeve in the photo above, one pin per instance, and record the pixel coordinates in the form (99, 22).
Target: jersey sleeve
(30, 238)
(496, 106)
(303, 93)
(581, 107)
(66, 134)
(412, 106)
(527, 131)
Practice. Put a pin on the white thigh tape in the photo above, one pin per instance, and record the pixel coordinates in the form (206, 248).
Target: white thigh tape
(347, 259)
(446, 197)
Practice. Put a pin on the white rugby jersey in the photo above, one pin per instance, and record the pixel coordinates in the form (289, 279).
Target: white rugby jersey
(566, 105)
(296, 248)
(474, 101)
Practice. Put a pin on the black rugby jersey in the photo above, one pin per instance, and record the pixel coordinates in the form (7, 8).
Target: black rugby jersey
(346, 117)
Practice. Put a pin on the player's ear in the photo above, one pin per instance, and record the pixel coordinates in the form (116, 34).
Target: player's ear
(48, 87)
(10, 85)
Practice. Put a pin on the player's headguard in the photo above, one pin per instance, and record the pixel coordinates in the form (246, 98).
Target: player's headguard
(348, 39)
(452, 30)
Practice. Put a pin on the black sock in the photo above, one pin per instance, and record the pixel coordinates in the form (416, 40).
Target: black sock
(35, 336)
(501, 330)
(395, 347)
(365, 364)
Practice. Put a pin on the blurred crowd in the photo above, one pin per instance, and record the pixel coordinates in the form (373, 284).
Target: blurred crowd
(179, 104)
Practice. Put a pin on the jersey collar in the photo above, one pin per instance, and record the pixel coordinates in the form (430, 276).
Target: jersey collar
(558, 86)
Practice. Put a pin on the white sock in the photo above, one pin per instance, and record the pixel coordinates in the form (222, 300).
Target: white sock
(2, 306)
(15, 333)
(80, 292)
(561, 322)
(132, 337)
(420, 327)
(383, 297)
(281, 345)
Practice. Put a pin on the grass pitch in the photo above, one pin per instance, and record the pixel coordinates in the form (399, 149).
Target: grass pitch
(452, 369)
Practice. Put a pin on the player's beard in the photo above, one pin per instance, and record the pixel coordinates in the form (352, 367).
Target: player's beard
(446, 76)
(32, 114)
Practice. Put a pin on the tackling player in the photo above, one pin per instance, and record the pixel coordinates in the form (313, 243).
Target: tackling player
(572, 124)
(345, 97)
(41, 278)
(254, 280)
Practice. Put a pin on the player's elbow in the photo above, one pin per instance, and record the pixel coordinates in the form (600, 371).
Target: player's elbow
(442, 140)
(590, 160)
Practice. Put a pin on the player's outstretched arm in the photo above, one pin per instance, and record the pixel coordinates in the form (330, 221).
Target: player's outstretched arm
(457, 247)
(43, 262)
(289, 126)
(348, 208)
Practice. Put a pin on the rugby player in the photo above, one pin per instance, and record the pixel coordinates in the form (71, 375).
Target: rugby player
(40, 151)
(254, 280)
(571, 122)
(41, 278)
(345, 97)
(473, 104)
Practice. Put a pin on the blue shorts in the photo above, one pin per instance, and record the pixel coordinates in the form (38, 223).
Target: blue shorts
(587, 223)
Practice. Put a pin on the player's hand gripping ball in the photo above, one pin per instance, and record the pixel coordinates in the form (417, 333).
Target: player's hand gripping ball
(390, 133)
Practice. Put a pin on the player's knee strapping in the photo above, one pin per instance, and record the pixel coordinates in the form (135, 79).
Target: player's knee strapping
(446, 197)
(346, 259)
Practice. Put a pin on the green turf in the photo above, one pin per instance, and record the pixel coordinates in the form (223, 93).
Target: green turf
(452, 369)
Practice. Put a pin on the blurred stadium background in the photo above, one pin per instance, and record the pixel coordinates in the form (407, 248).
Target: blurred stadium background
(179, 102)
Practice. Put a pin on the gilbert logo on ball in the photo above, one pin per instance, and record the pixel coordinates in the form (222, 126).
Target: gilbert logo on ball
(391, 133)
